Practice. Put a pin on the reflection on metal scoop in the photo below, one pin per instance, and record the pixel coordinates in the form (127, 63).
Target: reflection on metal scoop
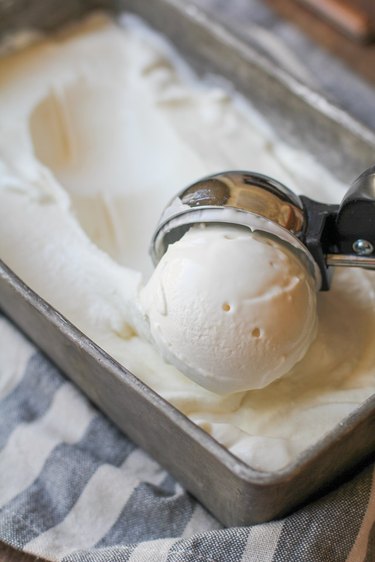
(323, 235)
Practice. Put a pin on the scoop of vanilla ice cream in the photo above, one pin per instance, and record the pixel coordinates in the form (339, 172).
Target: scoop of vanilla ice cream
(232, 309)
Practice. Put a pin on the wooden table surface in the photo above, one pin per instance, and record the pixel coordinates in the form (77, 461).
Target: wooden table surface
(8, 554)
(359, 57)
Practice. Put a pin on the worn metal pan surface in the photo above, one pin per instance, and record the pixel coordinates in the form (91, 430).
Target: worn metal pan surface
(231, 490)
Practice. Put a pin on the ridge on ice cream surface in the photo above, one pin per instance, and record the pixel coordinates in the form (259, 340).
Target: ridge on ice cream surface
(100, 126)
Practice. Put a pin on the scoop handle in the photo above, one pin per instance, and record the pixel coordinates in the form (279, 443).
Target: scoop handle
(343, 236)
(355, 221)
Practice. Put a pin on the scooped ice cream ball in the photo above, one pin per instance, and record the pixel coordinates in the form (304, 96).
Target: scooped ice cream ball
(233, 310)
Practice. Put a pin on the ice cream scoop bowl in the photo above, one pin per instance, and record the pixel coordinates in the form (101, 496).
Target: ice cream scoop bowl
(239, 261)
(324, 236)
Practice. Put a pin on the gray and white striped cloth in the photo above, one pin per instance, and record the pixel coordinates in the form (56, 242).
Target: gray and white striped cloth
(73, 488)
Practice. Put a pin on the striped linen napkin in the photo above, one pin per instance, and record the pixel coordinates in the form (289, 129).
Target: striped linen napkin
(73, 488)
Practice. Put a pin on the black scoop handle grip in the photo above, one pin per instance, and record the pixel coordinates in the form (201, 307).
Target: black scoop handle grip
(343, 235)
(356, 215)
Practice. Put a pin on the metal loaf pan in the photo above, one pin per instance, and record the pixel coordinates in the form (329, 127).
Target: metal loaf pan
(235, 493)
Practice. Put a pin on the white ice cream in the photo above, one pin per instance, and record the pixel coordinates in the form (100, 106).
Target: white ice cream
(231, 309)
(99, 128)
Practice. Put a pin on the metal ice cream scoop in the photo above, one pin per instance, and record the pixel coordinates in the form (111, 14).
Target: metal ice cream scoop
(324, 236)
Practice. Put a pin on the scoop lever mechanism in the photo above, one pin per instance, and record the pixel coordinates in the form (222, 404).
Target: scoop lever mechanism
(343, 235)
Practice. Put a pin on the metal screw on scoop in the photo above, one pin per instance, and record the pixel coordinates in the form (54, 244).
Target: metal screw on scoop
(363, 247)
(324, 236)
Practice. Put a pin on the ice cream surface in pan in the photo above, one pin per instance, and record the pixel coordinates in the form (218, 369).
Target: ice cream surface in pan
(100, 126)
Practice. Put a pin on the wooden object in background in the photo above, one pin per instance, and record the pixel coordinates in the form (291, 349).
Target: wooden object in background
(354, 17)
(360, 57)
